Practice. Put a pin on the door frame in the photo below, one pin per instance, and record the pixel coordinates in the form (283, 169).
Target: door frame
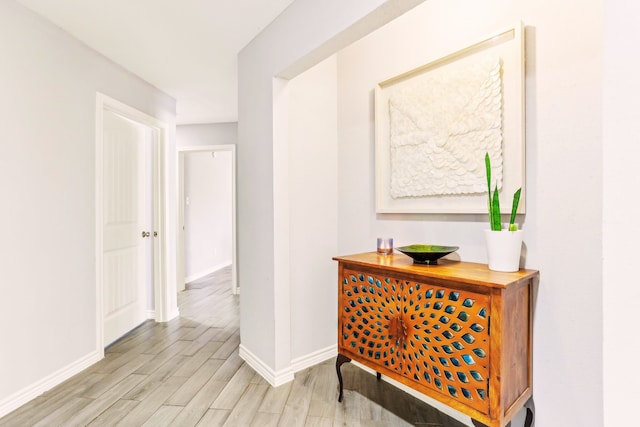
(180, 261)
(159, 140)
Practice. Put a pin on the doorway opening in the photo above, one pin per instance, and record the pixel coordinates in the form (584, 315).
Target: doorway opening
(212, 207)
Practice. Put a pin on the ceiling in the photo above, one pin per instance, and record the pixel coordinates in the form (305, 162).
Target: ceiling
(187, 48)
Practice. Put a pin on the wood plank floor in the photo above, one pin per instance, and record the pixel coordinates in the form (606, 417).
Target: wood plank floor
(187, 372)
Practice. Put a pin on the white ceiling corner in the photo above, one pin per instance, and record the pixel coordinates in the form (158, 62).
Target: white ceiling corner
(186, 48)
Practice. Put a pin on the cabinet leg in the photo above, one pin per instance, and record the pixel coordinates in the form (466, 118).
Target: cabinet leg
(529, 421)
(340, 360)
(479, 424)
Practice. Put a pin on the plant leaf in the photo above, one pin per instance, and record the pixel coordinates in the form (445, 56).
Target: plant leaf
(514, 207)
(495, 211)
(487, 163)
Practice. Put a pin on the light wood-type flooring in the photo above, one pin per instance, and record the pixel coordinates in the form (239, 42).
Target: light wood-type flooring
(187, 372)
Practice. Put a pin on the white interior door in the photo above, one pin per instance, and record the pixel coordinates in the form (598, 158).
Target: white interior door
(128, 225)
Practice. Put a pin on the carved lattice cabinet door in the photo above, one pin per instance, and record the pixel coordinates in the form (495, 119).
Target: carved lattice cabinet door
(446, 346)
(435, 336)
(370, 303)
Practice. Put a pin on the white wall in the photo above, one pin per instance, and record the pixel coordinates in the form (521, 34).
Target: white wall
(304, 34)
(621, 151)
(313, 215)
(48, 85)
(562, 227)
(207, 134)
(207, 212)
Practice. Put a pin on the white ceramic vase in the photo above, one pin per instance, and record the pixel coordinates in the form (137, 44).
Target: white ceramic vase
(503, 249)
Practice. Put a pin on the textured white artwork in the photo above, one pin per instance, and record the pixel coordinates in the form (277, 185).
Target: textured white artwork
(441, 126)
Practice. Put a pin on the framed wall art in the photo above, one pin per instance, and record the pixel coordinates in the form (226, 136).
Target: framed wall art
(434, 124)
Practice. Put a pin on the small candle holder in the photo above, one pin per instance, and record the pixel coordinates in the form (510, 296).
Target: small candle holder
(385, 245)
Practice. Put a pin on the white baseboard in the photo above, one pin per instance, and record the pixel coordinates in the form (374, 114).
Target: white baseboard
(173, 314)
(200, 274)
(285, 375)
(272, 377)
(32, 391)
(314, 358)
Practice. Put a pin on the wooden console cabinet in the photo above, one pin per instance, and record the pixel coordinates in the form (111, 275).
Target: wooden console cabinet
(456, 331)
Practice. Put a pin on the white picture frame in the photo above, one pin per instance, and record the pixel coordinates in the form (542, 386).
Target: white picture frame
(508, 46)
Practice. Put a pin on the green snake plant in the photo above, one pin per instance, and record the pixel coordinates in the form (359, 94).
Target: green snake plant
(494, 202)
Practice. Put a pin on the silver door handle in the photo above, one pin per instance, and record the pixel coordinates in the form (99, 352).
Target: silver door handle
(146, 234)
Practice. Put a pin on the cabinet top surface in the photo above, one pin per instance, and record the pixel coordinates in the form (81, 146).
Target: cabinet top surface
(468, 272)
